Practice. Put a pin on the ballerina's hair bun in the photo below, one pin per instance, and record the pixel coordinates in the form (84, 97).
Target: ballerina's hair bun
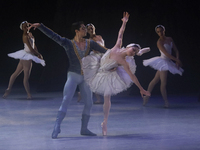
(160, 26)
(22, 24)
(134, 45)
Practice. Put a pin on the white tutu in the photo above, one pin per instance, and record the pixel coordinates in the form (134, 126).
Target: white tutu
(163, 63)
(26, 55)
(99, 76)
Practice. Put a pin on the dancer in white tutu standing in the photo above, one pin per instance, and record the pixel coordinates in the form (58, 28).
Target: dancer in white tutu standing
(163, 63)
(25, 57)
(114, 72)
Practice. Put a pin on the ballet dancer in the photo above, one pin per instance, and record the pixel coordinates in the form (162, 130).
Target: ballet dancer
(76, 49)
(26, 56)
(163, 64)
(114, 72)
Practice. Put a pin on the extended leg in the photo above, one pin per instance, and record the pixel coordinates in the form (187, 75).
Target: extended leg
(18, 70)
(68, 92)
(151, 86)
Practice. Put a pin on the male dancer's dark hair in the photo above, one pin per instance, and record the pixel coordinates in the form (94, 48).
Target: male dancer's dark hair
(76, 26)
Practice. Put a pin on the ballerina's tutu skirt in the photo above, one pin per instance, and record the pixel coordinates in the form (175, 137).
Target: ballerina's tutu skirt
(100, 76)
(22, 54)
(163, 64)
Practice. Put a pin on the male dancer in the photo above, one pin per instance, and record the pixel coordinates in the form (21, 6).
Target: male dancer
(76, 49)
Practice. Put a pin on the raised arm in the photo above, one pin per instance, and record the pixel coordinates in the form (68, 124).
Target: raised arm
(50, 33)
(121, 31)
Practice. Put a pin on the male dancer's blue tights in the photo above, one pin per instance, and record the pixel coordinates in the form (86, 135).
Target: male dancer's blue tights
(73, 81)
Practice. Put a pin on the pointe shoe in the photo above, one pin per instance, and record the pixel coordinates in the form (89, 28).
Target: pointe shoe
(7, 92)
(104, 128)
(145, 100)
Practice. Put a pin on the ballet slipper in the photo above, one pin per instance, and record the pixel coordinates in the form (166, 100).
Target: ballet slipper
(7, 92)
(142, 51)
(104, 128)
(145, 100)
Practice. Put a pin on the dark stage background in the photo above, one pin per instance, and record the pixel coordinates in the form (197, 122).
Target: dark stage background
(180, 17)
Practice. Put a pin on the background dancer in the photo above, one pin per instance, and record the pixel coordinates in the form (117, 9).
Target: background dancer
(163, 64)
(25, 56)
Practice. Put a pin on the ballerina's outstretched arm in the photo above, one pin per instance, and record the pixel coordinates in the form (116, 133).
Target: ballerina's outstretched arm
(121, 31)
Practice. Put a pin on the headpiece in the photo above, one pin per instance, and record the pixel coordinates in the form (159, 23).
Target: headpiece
(160, 26)
(134, 45)
(22, 24)
(90, 24)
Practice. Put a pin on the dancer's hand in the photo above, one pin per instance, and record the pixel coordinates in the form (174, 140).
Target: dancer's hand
(125, 17)
(178, 63)
(34, 25)
(40, 56)
(145, 93)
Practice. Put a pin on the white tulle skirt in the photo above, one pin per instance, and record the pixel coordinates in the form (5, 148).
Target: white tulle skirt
(163, 64)
(106, 82)
(22, 54)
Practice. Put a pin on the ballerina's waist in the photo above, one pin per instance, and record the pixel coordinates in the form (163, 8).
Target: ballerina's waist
(165, 57)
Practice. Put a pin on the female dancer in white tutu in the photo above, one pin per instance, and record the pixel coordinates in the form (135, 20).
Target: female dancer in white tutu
(26, 56)
(113, 73)
(163, 63)
(97, 38)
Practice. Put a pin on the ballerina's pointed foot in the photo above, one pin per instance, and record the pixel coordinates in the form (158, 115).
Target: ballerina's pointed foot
(145, 100)
(104, 128)
(29, 97)
(7, 92)
(166, 104)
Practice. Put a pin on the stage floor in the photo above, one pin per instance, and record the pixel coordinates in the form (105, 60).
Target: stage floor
(28, 124)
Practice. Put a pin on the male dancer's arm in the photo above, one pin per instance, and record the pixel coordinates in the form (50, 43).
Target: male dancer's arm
(51, 34)
(95, 46)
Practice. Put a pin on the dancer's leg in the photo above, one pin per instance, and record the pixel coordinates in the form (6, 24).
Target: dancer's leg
(70, 87)
(27, 65)
(73, 80)
(87, 98)
(106, 110)
(163, 78)
(153, 82)
(18, 70)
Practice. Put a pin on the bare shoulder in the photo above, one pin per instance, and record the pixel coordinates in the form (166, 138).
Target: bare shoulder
(159, 42)
(169, 39)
